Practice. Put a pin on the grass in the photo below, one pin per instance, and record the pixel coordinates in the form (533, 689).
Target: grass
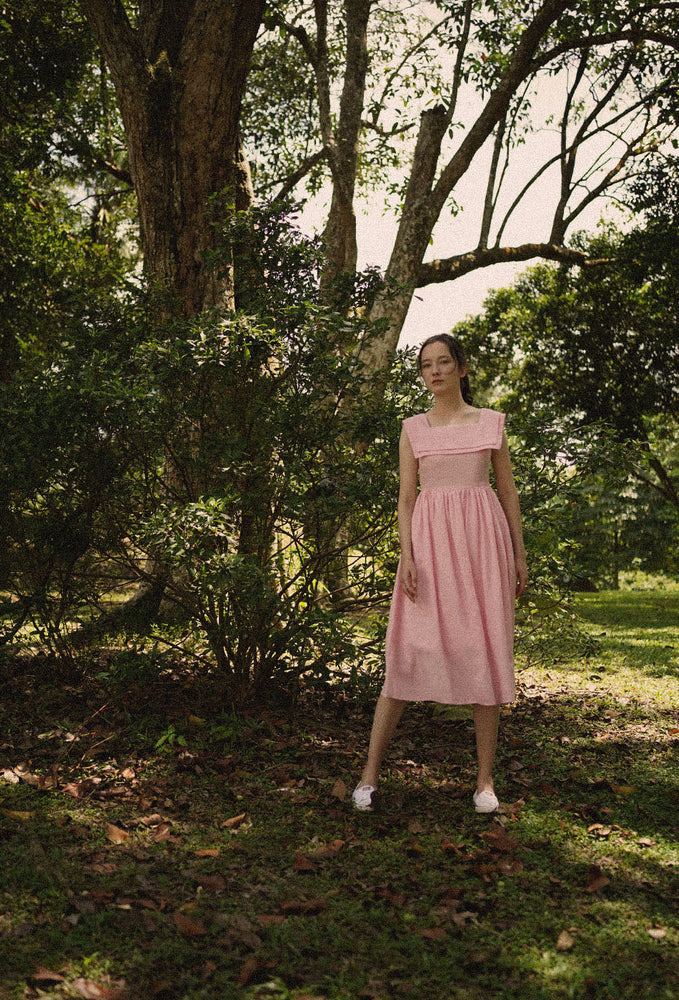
(154, 847)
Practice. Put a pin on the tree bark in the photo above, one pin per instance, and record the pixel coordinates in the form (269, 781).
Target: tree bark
(179, 76)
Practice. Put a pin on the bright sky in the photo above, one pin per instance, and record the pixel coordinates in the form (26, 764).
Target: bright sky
(436, 308)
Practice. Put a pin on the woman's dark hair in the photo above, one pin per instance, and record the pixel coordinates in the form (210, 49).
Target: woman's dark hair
(457, 352)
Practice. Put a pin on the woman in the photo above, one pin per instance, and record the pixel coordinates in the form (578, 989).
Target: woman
(463, 563)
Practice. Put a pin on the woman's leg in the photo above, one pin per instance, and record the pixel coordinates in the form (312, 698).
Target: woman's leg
(486, 719)
(388, 712)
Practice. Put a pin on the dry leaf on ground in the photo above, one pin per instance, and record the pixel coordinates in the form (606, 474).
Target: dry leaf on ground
(115, 834)
(565, 941)
(339, 790)
(187, 926)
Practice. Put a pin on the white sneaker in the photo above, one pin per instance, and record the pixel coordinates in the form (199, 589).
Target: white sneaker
(362, 797)
(485, 802)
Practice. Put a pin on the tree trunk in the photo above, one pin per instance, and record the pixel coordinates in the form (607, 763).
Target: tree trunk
(179, 77)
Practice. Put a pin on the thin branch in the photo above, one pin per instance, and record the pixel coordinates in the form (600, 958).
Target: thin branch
(490, 198)
(387, 133)
(519, 69)
(107, 167)
(293, 179)
(408, 53)
(578, 142)
(462, 43)
(604, 39)
(297, 32)
(498, 183)
(322, 72)
(605, 183)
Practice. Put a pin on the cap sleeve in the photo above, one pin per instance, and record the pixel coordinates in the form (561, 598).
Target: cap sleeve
(500, 419)
(416, 428)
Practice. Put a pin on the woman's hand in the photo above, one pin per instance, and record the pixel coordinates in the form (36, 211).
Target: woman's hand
(521, 575)
(409, 578)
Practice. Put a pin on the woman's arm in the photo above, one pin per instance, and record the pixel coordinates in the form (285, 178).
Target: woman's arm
(509, 498)
(407, 495)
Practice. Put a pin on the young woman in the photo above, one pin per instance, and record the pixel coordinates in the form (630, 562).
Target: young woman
(463, 563)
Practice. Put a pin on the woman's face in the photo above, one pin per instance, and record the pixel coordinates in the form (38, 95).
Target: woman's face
(439, 369)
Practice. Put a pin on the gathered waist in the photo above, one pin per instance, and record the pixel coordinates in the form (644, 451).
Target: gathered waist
(456, 487)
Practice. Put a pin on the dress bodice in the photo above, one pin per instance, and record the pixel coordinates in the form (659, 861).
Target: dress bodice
(455, 455)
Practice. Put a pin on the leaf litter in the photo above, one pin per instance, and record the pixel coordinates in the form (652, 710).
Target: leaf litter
(222, 861)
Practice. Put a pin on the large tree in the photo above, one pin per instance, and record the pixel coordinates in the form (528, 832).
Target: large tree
(179, 69)
(409, 96)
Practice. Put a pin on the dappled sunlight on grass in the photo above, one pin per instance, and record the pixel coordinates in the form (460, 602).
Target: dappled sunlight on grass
(151, 837)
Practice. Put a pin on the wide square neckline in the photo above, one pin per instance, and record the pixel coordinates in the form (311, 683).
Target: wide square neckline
(458, 427)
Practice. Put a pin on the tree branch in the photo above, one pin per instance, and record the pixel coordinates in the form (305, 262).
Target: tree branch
(107, 167)
(636, 35)
(437, 271)
(408, 53)
(490, 199)
(293, 179)
(462, 43)
(322, 72)
(297, 32)
(520, 67)
(118, 41)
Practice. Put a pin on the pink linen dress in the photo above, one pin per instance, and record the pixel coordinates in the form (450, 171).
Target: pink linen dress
(454, 645)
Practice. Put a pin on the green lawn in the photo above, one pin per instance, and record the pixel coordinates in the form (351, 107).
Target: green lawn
(227, 862)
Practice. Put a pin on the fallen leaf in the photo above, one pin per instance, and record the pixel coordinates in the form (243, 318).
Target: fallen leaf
(78, 789)
(328, 850)
(596, 879)
(449, 845)
(339, 790)
(42, 975)
(303, 906)
(270, 919)
(303, 864)
(249, 969)
(92, 991)
(599, 829)
(460, 919)
(209, 970)
(162, 833)
(565, 941)
(657, 933)
(207, 852)
(15, 814)
(623, 790)
(153, 820)
(646, 842)
(499, 840)
(432, 933)
(115, 834)
(234, 821)
(510, 866)
(188, 927)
